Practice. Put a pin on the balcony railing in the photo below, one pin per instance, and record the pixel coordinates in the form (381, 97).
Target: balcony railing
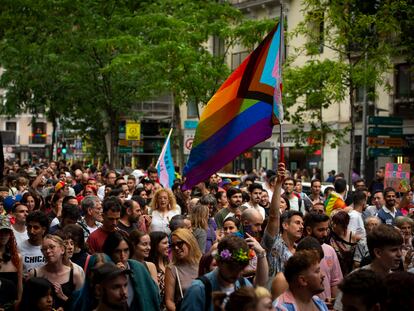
(40, 139)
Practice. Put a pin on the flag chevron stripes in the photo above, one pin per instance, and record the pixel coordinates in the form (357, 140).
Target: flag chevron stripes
(240, 113)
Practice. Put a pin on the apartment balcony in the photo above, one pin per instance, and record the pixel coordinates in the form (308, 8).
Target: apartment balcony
(40, 139)
(158, 109)
(403, 106)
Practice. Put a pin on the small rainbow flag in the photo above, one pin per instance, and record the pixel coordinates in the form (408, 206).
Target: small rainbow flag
(241, 113)
(333, 202)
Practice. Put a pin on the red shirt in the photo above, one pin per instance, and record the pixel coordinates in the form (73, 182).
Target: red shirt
(96, 240)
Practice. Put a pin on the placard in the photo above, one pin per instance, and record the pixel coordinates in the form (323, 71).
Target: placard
(397, 176)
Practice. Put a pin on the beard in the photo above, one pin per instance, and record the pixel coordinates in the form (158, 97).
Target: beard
(121, 306)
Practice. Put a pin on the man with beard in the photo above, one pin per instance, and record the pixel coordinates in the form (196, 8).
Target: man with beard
(389, 211)
(255, 191)
(234, 196)
(282, 232)
(305, 279)
(317, 226)
(130, 216)
(111, 287)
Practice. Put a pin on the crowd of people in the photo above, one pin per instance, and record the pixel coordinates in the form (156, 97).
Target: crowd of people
(81, 238)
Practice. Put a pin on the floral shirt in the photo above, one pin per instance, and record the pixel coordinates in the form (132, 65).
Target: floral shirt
(278, 254)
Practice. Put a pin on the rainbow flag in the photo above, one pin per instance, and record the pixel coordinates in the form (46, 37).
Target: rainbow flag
(241, 113)
(333, 202)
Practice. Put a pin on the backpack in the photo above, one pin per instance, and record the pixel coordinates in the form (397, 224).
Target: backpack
(208, 289)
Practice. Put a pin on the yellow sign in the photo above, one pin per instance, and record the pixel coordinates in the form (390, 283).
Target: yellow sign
(133, 130)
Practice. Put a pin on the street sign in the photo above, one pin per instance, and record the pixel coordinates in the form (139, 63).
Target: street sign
(123, 149)
(395, 142)
(385, 121)
(133, 130)
(188, 140)
(385, 131)
(384, 152)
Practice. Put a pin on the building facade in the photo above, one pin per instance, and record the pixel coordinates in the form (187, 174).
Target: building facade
(398, 103)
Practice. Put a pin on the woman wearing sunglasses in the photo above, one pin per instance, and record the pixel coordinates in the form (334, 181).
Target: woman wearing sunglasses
(186, 255)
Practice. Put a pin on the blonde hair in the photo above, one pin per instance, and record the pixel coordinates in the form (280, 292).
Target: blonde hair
(262, 292)
(199, 216)
(57, 239)
(171, 199)
(187, 236)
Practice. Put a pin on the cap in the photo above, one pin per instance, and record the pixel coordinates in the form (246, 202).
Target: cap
(5, 222)
(138, 174)
(108, 271)
(31, 172)
(9, 201)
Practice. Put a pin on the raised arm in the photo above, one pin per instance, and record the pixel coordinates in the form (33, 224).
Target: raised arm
(273, 224)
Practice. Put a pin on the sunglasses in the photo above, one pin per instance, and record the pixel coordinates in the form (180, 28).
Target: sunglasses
(178, 244)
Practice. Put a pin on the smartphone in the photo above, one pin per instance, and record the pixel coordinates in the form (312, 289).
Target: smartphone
(248, 229)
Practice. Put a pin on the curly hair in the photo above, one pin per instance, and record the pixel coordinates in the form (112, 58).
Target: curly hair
(171, 199)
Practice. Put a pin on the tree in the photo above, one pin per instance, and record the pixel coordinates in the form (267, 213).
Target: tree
(311, 89)
(361, 35)
(102, 57)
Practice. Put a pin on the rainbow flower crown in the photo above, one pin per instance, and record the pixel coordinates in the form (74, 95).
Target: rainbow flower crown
(240, 256)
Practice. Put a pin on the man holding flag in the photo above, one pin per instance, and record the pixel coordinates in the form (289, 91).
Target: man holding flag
(241, 113)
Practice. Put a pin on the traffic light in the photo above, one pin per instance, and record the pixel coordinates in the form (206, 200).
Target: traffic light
(64, 150)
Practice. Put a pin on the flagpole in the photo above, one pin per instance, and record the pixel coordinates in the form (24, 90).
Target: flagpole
(163, 147)
(281, 47)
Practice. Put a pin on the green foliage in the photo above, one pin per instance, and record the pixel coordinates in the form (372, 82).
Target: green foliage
(310, 89)
(364, 35)
(87, 63)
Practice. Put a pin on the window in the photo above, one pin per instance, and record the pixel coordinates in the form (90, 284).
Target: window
(11, 126)
(218, 46)
(192, 109)
(237, 59)
(39, 133)
(404, 84)
(316, 36)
